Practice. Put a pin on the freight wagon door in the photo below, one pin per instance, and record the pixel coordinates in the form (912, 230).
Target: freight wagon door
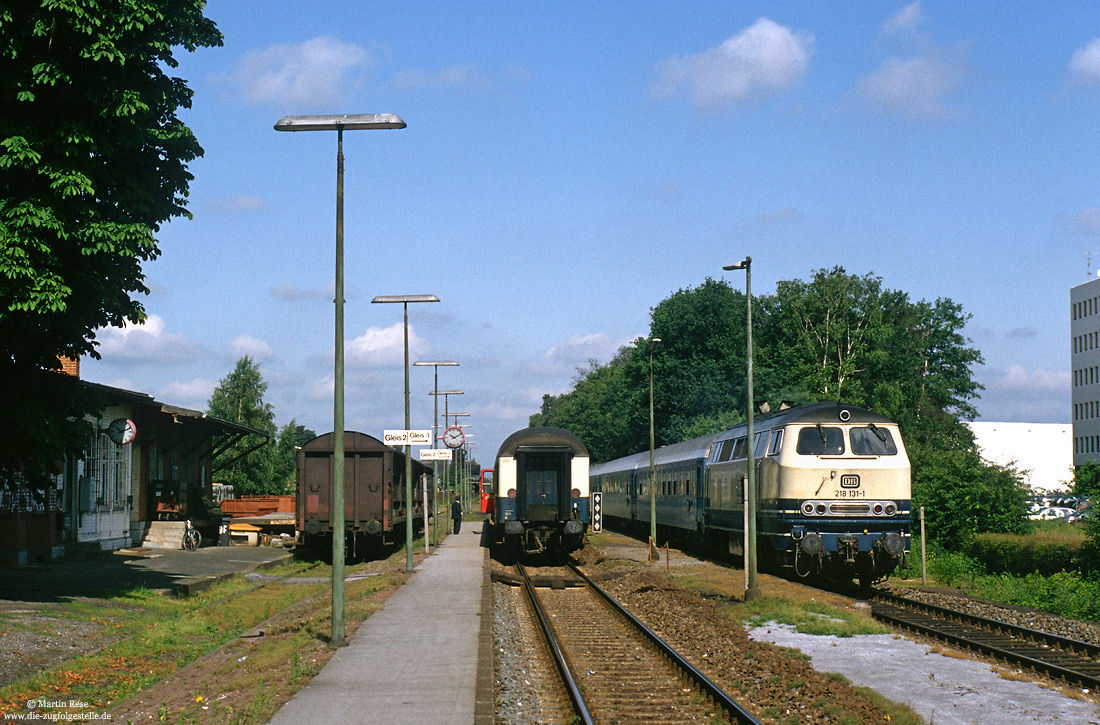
(368, 488)
(544, 485)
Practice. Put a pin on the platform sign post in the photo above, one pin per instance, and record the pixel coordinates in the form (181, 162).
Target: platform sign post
(597, 511)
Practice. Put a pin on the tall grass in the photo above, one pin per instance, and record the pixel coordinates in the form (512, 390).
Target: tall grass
(1065, 593)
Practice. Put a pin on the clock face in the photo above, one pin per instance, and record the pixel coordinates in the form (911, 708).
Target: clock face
(454, 437)
(121, 431)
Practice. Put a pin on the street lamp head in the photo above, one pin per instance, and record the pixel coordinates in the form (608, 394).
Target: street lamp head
(437, 363)
(445, 392)
(654, 342)
(348, 122)
(405, 298)
(745, 264)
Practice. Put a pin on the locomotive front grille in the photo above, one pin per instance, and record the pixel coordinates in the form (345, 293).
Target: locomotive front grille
(850, 509)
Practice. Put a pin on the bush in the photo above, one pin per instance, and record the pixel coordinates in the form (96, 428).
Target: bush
(952, 568)
(964, 496)
(1045, 552)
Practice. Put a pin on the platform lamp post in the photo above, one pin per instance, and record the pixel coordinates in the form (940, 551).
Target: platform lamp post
(339, 123)
(436, 364)
(404, 301)
(446, 400)
(654, 556)
(752, 590)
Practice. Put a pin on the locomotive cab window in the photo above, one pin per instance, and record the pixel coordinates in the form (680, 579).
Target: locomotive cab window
(873, 441)
(819, 440)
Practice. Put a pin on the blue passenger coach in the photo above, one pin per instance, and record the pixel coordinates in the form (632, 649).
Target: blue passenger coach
(541, 501)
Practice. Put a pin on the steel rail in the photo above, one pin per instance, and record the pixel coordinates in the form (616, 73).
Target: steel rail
(1033, 649)
(1073, 645)
(738, 713)
(570, 682)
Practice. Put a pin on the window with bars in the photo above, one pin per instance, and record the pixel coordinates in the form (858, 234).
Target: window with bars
(108, 466)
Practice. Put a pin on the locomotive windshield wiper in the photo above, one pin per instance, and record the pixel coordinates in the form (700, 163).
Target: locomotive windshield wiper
(878, 433)
(821, 432)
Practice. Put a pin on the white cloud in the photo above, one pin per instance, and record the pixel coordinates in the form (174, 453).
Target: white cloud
(762, 60)
(384, 347)
(194, 394)
(1087, 220)
(1015, 394)
(1084, 66)
(1039, 382)
(290, 291)
(908, 17)
(240, 202)
(917, 88)
(566, 357)
(459, 77)
(254, 347)
(312, 73)
(148, 342)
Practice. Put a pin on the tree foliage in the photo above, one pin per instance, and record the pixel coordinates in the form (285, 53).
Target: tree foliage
(93, 159)
(963, 495)
(239, 398)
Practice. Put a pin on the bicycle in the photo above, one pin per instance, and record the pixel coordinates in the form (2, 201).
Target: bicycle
(191, 537)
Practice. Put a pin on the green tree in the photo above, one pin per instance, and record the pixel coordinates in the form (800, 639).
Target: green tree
(963, 495)
(93, 160)
(239, 398)
(285, 467)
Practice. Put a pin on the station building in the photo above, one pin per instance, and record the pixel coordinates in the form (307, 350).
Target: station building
(144, 453)
(1085, 366)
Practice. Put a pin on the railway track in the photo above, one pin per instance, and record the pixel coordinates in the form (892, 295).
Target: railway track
(1057, 657)
(614, 669)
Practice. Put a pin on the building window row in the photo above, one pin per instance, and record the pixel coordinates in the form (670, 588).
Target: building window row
(1085, 411)
(1084, 308)
(1086, 376)
(1088, 341)
(1086, 444)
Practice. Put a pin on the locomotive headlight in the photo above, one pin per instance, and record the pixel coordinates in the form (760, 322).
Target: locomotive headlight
(821, 509)
(808, 508)
(877, 509)
(891, 509)
(812, 544)
(511, 493)
(894, 544)
(576, 493)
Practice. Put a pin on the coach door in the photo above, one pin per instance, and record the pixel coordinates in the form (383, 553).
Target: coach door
(544, 484)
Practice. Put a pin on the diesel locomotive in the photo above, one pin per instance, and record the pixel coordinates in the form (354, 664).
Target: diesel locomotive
(833, 491)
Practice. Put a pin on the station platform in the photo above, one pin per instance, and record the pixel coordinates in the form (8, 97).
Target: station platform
(426, 657)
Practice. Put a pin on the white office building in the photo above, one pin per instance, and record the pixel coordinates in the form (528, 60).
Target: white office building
(1084, 329)
(1039, 451)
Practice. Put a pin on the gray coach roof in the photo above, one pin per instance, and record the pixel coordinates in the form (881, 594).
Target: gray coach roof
(542, 437)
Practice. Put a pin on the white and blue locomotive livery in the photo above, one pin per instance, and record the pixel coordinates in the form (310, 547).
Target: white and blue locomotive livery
(833, 491)
(541, 500)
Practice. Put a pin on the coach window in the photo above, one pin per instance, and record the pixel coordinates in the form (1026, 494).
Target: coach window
(820, 440)
(739, 450)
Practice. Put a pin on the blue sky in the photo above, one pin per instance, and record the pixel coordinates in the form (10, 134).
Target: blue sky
(568, 165)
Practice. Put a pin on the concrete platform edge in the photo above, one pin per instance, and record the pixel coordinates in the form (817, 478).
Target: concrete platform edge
(485, 701)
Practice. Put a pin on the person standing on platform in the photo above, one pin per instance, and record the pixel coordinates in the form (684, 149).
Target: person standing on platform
(456, 513)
